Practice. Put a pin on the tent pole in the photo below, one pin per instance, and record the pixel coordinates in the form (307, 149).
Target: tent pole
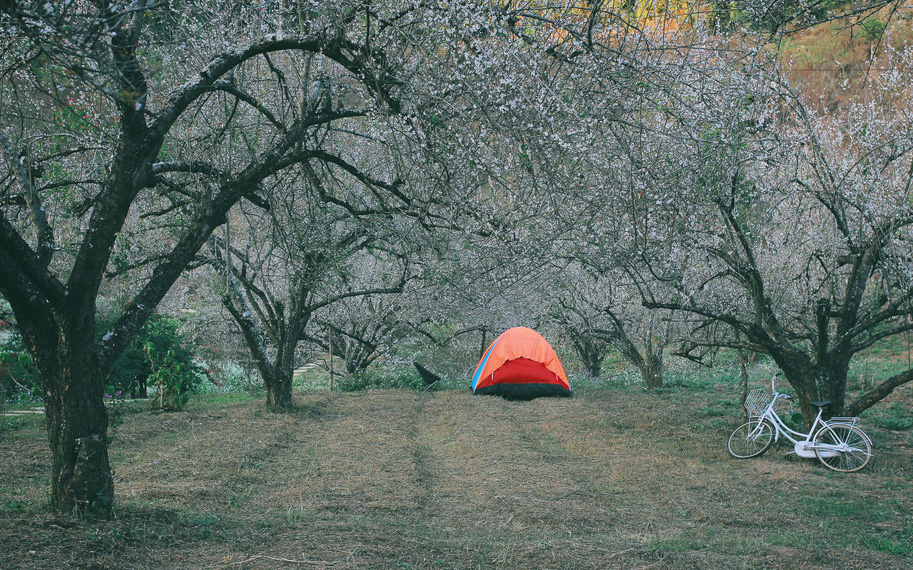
(330, 354)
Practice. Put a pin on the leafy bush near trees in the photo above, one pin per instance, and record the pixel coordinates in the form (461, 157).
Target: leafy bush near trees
(379, 380)
(228, 377)
(167, 363)
(18, 377)
(159, 356)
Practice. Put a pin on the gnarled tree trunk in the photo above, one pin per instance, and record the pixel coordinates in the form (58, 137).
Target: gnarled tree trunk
(651, 368)
(279, 394)
(78, 435)
(77, 421)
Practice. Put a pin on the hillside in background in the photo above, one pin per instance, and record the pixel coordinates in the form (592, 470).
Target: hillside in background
(831, 63)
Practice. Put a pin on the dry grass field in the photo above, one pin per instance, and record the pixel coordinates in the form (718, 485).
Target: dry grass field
(615, 477)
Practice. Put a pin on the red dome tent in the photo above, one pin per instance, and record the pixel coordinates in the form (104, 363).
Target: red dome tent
(521, 365)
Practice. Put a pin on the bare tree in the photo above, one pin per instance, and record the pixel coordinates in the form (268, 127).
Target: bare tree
(290, 265)
(793, 231)
(598, 312)
(139, 113)
(363, 329)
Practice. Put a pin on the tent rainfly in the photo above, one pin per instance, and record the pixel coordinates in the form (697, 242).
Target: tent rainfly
(520, 365)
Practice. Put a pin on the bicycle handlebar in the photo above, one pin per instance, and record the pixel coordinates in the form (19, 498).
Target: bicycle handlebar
(773, 388)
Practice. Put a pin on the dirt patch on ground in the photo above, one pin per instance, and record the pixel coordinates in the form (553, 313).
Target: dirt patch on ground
(394, 479)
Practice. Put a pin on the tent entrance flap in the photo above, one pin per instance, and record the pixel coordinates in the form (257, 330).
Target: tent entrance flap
(522, 370)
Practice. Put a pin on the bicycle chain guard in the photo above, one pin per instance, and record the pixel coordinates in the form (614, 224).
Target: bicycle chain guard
(805, 449)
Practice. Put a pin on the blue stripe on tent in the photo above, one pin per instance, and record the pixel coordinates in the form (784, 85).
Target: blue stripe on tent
(475, 378)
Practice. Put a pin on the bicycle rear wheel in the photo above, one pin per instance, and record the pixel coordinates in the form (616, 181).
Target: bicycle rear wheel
(851, 450)
(750, 439)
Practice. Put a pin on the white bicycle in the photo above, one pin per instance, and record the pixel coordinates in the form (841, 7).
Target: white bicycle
(837, 442)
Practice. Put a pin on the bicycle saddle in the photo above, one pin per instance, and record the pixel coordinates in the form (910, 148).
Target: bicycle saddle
(821, 404)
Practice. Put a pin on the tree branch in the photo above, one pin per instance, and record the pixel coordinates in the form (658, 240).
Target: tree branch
(22, 167)
(878, 393)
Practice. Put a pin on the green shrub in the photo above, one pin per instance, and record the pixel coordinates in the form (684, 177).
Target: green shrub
(378, 380)
(873, 29)
(173, 371)
(130, 371)
(158, 356)
(19, 382)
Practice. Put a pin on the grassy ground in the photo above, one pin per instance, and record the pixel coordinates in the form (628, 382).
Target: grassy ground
(615, 477)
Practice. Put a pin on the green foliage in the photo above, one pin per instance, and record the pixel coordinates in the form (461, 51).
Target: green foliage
(16, 506)
(172, 368)
(893, 416)
(375, 380)
(129, 375)
(73, 115)
(158, 356)
(873, 29)
(19, 380)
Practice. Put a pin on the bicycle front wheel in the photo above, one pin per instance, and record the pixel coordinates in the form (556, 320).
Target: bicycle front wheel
(750, 439)
(843, 447)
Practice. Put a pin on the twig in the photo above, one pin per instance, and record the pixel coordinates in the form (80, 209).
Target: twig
(614, 554)
(277, 559)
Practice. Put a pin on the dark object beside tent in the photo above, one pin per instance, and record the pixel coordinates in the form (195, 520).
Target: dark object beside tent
(428, 377)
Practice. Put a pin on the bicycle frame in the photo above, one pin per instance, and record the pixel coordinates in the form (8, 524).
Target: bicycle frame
(803, 444)
(836, 442)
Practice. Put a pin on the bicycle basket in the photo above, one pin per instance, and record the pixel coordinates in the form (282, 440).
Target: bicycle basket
(756, 401)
